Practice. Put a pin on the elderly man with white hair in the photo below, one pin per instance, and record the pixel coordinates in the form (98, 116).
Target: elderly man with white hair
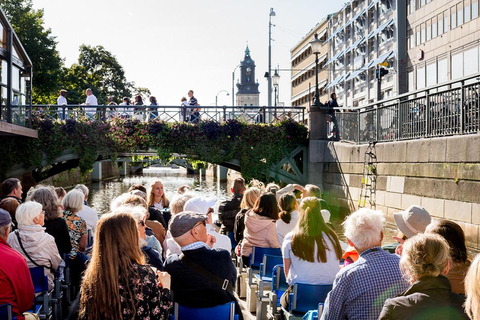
(361, 288)
(32, 242)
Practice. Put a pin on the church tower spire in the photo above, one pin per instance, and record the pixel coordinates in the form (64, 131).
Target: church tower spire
(247, 88)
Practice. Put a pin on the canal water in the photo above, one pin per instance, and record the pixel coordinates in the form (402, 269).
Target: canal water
(102, 193)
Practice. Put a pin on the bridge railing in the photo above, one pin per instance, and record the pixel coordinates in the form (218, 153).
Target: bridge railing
(249, 114)
(447, 109)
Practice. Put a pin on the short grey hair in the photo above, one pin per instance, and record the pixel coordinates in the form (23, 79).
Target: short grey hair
(73, 201)
(26, 212)
(363, 227)
(179, 200)
(82, 188)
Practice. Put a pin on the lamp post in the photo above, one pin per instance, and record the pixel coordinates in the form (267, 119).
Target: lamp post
(272, 14)
(316, 45)
(216, 97)
(233, 85)
(276, 81)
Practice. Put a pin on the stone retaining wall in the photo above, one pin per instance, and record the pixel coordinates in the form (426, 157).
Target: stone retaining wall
(441, 174)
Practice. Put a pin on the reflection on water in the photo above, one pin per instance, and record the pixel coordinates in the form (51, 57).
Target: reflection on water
(102, 193)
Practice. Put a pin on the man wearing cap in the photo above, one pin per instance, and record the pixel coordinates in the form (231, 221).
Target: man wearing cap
(205, 206)
(411, 221)
(202, 277)
(16, 285)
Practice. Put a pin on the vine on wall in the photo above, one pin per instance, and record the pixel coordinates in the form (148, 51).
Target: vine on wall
(256, 146)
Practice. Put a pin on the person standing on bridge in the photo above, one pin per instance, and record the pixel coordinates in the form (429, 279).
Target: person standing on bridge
(90, 101)
(332, 105)
(62, 102)
(194, 112)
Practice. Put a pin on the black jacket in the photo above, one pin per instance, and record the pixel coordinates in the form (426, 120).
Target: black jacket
(157, 215)
(191, 289)
(428, 298)
(227, 211)
(239, 226)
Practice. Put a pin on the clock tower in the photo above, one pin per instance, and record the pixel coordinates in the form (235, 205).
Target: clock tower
(247, 88)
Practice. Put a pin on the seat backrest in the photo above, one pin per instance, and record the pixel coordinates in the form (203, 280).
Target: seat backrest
(221, 312)
(256, 258)
(307, 296)
(6, 311)
(269, 262)
(279, 282)
(39, 279)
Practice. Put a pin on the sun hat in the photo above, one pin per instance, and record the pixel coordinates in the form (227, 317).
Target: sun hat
(199, 204)
(412, 221)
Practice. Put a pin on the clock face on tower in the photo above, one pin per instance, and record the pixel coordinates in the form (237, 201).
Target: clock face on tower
(249, 71)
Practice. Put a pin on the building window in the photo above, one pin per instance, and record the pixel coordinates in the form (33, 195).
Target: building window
(411, 85)
(421, 78)
(442, 71)
(468, 13)
(418, 36)
(429, 31)
(446, 21)
(459, 14)
(422, 33)
(431, 74)
(411, 38)
(434, 28)
(470, 57)
(422, 3)
(475, 9)
(453, 18)
(440, 24)
(412, 6)
(457, 66)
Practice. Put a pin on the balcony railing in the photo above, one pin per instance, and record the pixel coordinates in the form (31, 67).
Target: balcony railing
(447, 109)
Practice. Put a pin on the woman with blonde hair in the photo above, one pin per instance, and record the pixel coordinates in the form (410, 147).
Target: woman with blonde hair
(425, 262)
(117, 283)
(248, 202)
(312, 251)
(472, 290)
(158, 199)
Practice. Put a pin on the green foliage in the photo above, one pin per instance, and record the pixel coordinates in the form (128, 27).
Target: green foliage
(257, 147)
(39, 44)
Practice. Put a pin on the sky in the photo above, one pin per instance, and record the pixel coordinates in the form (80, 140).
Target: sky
(173, 46)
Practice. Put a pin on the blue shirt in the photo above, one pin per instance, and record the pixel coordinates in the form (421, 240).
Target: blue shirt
(195, 245)
(361, 288)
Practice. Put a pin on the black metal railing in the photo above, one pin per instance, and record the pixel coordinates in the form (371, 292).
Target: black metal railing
(447, 109)
(248, 114)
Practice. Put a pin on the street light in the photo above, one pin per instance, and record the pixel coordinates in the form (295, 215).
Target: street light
(216, 97)
(276, 81)
(316, 46)
(233, 85)
(272, 14)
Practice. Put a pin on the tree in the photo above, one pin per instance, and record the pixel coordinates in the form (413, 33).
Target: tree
(99, 70)
(39, 44)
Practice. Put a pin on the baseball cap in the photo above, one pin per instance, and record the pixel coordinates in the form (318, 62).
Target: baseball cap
(184, 221)
(5, 218)
(199, 204)
(412, 221)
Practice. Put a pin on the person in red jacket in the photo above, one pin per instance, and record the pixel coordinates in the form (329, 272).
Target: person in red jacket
(16, 285)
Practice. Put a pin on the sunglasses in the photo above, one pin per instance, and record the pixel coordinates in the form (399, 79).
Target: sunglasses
(142, 223)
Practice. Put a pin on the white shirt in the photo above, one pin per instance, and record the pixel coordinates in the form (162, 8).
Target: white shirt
(310, 272)
(90, 216)
(158, 205)
(171, 245)
(223, 242)
(61, 101)
(284, 228)
(91, 101)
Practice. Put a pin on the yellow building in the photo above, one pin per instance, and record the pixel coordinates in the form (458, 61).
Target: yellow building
(303, 68)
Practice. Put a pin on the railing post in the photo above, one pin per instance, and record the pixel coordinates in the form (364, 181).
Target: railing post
(461, 107)
(358, 126)
(377, 123)
(427, 114)
(224, 113)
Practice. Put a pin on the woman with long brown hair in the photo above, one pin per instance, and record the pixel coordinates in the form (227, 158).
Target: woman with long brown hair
(117, 283)
(311, 252)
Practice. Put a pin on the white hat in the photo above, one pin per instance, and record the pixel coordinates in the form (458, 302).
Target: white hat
(326, 215)
(199, 204)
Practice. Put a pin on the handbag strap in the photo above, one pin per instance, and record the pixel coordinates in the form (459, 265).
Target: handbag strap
(220, 282)
(28, 256)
